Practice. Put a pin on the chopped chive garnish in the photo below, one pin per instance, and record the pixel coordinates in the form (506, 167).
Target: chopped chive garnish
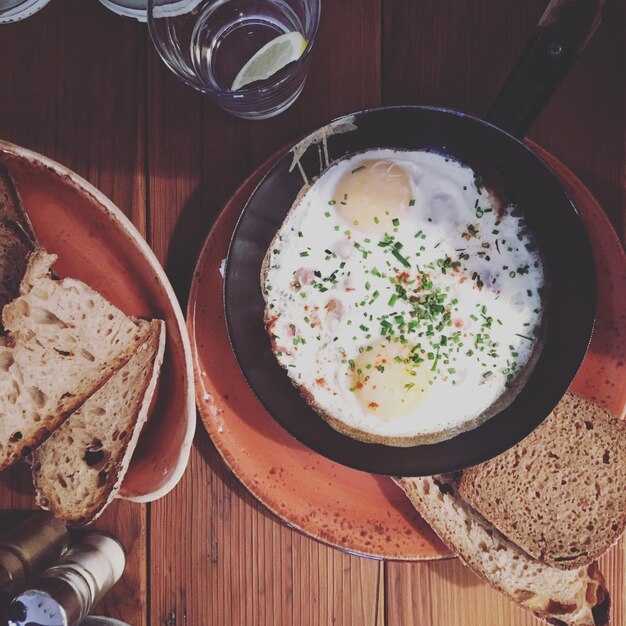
(434, 367)
(358, 169)
(412, 202)
(332, 202)
(400, 258)
(525, 337)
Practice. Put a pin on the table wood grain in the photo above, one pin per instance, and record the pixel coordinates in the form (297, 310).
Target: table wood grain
(84, 87)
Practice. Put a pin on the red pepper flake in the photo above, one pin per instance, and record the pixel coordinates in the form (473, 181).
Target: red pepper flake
(320, 381)
(359, 384)
(271, 323)
(373, 405)
(403, 277)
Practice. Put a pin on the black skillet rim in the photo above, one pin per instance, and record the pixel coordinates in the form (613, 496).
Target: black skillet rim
(395, 460)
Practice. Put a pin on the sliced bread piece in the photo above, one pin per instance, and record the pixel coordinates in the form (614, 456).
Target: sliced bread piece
(17, 239)
(560, 494)
(576, 597)
(79, 469)
(64, 342)
(14, 251)
(11, 209)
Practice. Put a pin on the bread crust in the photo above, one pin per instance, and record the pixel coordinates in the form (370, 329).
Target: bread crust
(12, 212)
(39, 264)
(17, 239)
(117, 470)
(589, 604)
(578, 455)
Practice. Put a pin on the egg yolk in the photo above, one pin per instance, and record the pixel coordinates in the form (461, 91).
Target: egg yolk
(372, 195)
(386, 383)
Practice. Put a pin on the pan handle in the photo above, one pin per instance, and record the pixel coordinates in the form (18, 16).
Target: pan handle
(563, 31)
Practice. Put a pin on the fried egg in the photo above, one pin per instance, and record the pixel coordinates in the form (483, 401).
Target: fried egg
(402, 298)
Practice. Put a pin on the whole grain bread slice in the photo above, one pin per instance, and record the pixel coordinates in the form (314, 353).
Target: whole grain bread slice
(80, 468)
(576, 597)
(560, 494)
(64, 342)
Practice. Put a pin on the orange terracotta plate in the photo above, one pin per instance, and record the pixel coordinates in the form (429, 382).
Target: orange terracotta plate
(358, 512)
(97, 244)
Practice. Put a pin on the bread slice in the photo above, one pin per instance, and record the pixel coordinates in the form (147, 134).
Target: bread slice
(64, 342)
(576, 597)
(560, 494)
(11, 209)
(17, 239)
(80, 468)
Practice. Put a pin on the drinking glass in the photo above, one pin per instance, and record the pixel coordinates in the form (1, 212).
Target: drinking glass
(207, 42)
(137, 9)
(15, 10)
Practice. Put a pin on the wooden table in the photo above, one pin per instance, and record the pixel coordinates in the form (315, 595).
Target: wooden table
(84, 87)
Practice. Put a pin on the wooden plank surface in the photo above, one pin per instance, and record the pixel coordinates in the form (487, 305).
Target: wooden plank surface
(83, 86)
(241, 565)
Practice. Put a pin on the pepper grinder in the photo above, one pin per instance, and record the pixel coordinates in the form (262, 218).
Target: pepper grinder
(65, 593)
(28, 548)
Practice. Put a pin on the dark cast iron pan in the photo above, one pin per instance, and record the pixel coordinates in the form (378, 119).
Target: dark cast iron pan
(492, 149)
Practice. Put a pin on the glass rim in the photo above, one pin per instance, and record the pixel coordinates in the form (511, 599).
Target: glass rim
(202, 87)
(21, 10)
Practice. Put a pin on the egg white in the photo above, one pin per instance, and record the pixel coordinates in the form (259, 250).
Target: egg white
(329, 291)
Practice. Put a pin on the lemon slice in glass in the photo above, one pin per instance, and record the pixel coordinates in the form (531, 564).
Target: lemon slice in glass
(272, 57)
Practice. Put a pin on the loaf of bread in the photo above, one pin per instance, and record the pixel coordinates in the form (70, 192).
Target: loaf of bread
(64, 341)
(576, 597)
(80, 468)
(560, 494)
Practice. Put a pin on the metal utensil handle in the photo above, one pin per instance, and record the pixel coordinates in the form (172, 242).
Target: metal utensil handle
(563, 31)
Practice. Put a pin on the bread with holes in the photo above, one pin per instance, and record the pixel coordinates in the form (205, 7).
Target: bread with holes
(80, 468)
(63, 342)
(575, 597)
(560, 494)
